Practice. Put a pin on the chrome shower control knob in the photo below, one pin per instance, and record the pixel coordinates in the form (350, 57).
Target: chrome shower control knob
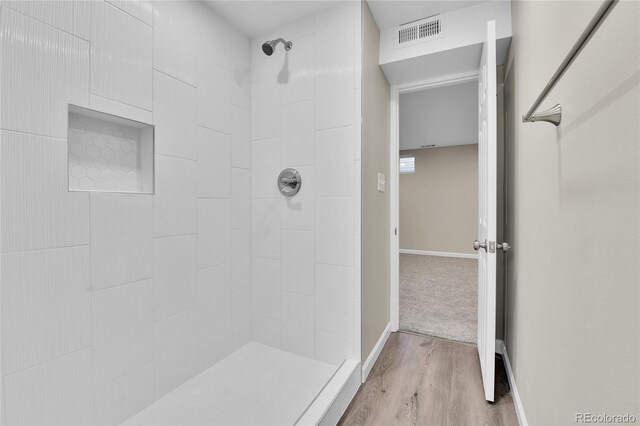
(289, 182)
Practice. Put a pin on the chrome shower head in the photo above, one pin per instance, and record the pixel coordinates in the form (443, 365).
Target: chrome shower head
(268, 47)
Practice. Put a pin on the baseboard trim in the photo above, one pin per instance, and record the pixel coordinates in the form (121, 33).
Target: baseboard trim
(375, 353)
(517, 402)
(439, 253)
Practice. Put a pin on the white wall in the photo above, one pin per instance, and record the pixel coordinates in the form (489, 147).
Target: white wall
(444, 116)
(305, 110)
(111, 300)
(573, 194)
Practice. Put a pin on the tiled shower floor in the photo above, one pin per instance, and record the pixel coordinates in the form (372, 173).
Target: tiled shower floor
(256, 385)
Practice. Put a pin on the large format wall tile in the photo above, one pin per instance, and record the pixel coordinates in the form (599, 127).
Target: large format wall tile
(37, 210)
(45, 305)
(298, 324)
(298, 134)
(124, 397)
(240, 137)
(335, 32)
(333, 348)
(213, 95)
(174, 112)
(298, 262)
(175, 201)
(214, 158)
(334, 299)
(57, 392)
(121, 56)
(121, 239)
(265, 287)
(265, 109)
(214, 315)
(175, 350)
(266, 331)
(175, 39)
(175, 274)
(141, 9)
(240, 198)
(265, 168)
(122, 330)
(43, 69)
(214, 232)
(334, 231)
(335, 162)
(241, 317)
(241, 258)
(266, 227)
(335, 99)
(73, 17)
(300, 84)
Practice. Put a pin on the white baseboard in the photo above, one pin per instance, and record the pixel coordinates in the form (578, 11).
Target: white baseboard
(375, 353)
(517, 402)
(439, 253)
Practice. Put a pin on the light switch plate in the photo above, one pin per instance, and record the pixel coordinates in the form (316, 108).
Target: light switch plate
(381, 182)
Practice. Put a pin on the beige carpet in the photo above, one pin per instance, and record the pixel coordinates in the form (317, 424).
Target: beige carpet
(439, 296)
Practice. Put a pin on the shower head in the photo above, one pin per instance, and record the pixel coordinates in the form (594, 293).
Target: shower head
(268, 47)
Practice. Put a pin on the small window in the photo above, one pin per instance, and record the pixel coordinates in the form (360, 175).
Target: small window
(407, 164)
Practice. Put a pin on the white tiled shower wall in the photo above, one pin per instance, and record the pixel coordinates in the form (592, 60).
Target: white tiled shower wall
(306, 249)
(111, 300)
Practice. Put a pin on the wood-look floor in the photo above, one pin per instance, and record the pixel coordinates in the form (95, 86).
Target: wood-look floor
(422, 380)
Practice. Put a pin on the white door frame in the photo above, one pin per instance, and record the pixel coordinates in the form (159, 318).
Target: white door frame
(394, 187)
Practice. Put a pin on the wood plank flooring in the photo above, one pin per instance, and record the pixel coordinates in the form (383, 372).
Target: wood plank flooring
(422, 380)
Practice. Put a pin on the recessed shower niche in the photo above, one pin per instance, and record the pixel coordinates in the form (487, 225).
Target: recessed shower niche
(109, 153)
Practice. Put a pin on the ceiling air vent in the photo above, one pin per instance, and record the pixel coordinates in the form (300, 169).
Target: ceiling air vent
(415, 32)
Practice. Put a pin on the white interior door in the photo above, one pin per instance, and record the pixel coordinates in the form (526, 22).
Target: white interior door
(487, 207)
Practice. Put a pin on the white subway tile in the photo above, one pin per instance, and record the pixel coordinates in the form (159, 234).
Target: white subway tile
(240, 198)
(298, 134)
(175, 200)
(241, 317)
(122, 330)
(45, 305)
(334, 299)
(335, 100)
(266, 227)
(73, 17)
(265, 168)
(265, 287)
(335, 162)
(174, 114)
(43, 70)
(176, 341)
(334, 231)
(299, 85)
(241, 258)
(214, 232)
(58, 392)
(266, 331)
(299, 211)
(124, 397)
(121, 239)
(298, 334)
(334, 33)
(37, 210)
(215, 339)
(265, 108)
(298, 262)
(214, 164)
(175, 274)
(240, 94)
(175, 39)
(121, 56)
(333, 348)
(213, 95)
(141, 9)
(240, 137)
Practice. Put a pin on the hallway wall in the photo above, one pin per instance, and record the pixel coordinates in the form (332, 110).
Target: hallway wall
(439, 202)
(573, 192)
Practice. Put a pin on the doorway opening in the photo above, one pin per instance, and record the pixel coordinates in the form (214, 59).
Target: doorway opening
(437, 210)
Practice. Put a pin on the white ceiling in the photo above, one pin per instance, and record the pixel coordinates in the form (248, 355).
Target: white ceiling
(444, 116)
(255, 17)
(391, 13)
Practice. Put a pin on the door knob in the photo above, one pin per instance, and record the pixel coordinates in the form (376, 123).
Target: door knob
(504, 246)
(478, 245)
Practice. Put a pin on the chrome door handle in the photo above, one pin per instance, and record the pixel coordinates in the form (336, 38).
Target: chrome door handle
(478, 245)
